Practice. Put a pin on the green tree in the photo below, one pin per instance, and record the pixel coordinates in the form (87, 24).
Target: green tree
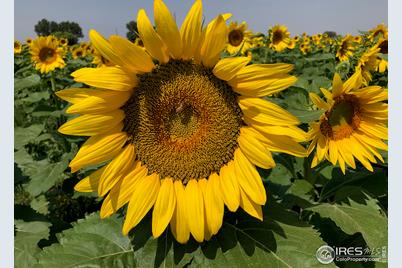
(65, 29)
(132, 33)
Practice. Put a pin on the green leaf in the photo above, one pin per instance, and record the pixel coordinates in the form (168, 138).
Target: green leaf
(40, 205)
(46, 177)
(354, 217)
(23, 136)
(28, 234)
(92, 242)
(26, 82)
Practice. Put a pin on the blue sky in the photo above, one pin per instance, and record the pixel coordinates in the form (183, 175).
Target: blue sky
(109, 17)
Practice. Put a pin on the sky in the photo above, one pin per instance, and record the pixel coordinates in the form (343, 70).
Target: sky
(110, 17)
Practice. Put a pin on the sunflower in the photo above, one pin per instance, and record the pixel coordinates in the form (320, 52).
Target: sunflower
(28, 40)
(78, 52)
(99, 60)
(305, 48)
(368, 63)
(352, 126)
(63, 42)
(381, 30)
(183, 129)
(17, 47)
(382, 44)
(46, 54)
(239, 38)
(279, 37)
(357, 39)
(346, 48)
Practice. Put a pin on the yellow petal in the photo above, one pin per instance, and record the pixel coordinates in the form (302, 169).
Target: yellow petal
(190, 30)
(255, 151)
(333, 152)
(266, 111)
(74, 95)
(98, 149)
(213, 204)
(167, 29)
(214, 41)
(93, 124)
(249, 206)
(104, 47)
(227, 68)
(142, 199)
(117, 169)
(113, 78)
(293, 132)
(248, 178)
(131, 55)
(229, 187)
(257, 72)
(152, 41)
(178, 224)
(318, 101)
(121, 193)
(164, 207)
(195, 210)
(337, 86)
(91, 182)
(100, 102)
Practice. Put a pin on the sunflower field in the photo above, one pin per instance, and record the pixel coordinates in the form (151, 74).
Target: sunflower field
(201, 145)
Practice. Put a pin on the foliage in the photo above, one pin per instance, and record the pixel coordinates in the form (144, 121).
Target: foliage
(132, 31)
(65, 29)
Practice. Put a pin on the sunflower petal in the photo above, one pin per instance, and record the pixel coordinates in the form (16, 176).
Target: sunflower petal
(195, 209)
(167, 29)
(249, 206)
(213, 204)
(132, 56)
(152, 41)
(164, 207)
(248, 178)
(178, 224)
(229, 187)
(113, 78)
(318, 101)
(90, 183)
(93, 124)
(190, 31)
(337, 86)
(141, 201)
(116, 169)
(227, 68)
(214, 41)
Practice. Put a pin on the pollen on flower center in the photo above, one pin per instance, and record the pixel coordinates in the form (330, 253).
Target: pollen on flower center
(342, 119)
(183, 121)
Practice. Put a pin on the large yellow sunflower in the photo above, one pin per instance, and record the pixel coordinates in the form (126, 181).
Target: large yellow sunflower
(17, 47)
(239, 38)
(279, 37)
(346, 48)
(46, 54)
(352, 126)
(179, 129)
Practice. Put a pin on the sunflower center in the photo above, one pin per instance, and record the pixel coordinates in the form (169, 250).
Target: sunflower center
(384, 47)
(183, 121)
(46, 54)
(236, 37)
(16, 45)
(277, 37)
(342, 119)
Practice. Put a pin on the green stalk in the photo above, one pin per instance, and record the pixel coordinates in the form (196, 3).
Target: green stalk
(53, 82)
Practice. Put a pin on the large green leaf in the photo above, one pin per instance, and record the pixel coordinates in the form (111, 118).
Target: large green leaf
(353, 217)
(22, 136)
(29, 81)
(28, 234)
(91, 242)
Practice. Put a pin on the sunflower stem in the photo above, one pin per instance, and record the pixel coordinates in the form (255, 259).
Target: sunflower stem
(52, 82)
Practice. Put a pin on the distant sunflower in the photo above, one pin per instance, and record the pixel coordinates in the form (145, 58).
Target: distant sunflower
(46, 54)
(28, 40)
(78, 52)
(305, 48)
(353, 125)
(346, 48)
(17, 47)
(381, 30)
(182, 129)
(368, 63)
(239, 37)
(279, 37)
(382, 44)
(99, 60)
(357, 39)
(63, 42)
